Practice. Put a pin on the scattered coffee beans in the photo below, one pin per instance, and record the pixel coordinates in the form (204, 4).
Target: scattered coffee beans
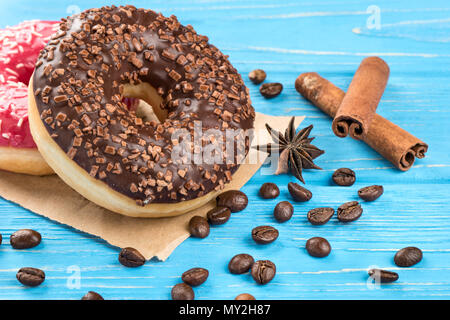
(25, 239)
(269, 190)
(130, 257)
(30, 277)
(318, 247)
(199, 227)
(182, 291)
(349, 211)
(370, 193)
(195, 276)
(235, 200)
(91, 295)
(218, 215)
(283, 211)
(263, 271)
(383, 276)
(299, 193)
(264, 234)
(344, 177)
(245, 296)
(271, 90)
(240, 263)
(320, 216)
(257, 76)
(408, 256)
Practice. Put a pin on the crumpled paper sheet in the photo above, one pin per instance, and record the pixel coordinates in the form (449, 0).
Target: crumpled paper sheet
(50, 197)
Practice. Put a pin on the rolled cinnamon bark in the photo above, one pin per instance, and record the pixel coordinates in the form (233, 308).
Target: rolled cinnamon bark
(360, 103)
(392, 142)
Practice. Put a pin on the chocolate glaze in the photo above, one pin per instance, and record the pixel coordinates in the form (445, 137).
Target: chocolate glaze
(78, 83)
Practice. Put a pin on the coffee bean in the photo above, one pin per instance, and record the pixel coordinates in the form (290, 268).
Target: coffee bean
(235, 200)
(408, 256)
(245, 296)
(299, 193)
(199, 227)
(383, 276)
(218, 215)
(1, 239)
(25, 239)
(182, 291)
(240, 263)
(263, 271)
(344, 177)
(269, 190)
(349, 211)
(370, 193)
(320, 216)
(91, 295)
(283, 211)
(130, 257)
(195, 276)
(257, 76)
(31, 277)
(264, 234)
(318, 247)
(271, 90)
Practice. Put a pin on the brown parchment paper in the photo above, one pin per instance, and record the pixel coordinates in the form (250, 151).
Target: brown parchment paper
(50, 197)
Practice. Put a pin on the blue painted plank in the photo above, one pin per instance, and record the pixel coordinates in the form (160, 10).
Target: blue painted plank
(287, 38)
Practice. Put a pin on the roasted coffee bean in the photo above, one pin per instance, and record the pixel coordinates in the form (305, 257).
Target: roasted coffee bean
(240, 263)
(235, 200)
(344, 177)
(195, 276)
(320, 216)
(383, 276)
(263, 271)
(25, 239)
(299, 193)
(349, 211)
(31, 277)
(199, 227)
(218, 215)
(370, 193)
(257, 76)
(269, 190)
(130, 257)
(91, 295)
(264, 234)
(245, 296)
(283, 211)
(182, 291)
(1, 239)
(318, 247)
(408, 256)
(271, 90)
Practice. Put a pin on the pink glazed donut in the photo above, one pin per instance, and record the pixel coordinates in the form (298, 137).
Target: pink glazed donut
(19, 49)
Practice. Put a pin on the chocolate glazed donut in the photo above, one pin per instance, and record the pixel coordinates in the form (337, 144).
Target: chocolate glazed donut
(107, 153)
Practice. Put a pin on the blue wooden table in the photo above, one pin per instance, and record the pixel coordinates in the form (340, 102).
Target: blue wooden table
(287, 38)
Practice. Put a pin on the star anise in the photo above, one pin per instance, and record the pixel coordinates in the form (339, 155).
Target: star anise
(295, 150)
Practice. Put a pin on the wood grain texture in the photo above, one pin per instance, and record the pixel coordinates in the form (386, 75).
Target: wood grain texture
(287, 38)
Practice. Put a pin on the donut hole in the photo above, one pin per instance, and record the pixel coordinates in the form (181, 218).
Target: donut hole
(145, 101)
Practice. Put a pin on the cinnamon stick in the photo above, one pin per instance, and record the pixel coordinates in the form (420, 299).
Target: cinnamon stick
(392, 142)
(360, 103)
